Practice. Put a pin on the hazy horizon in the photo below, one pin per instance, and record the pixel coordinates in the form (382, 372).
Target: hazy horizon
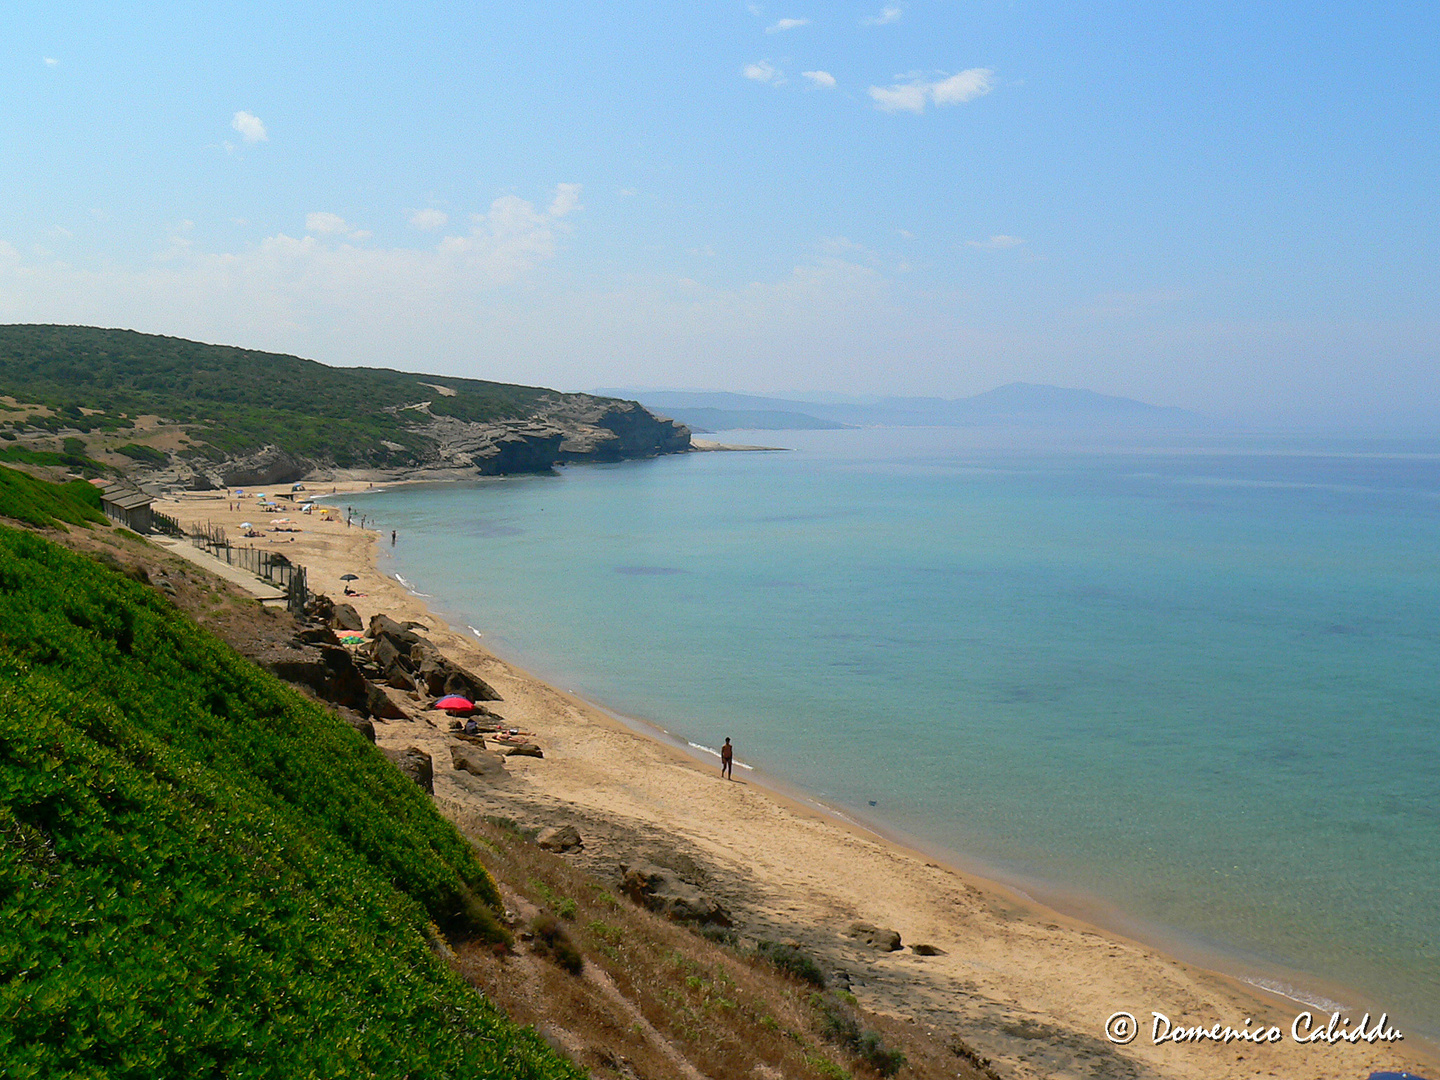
(1226, 209)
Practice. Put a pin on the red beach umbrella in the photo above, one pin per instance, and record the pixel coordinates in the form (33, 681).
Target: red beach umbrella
(455, 703)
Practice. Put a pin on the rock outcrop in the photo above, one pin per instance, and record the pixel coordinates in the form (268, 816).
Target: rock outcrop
(876, 937)
(328, 671)
(662, 891)
(406, 661)
(269, 465)
(485, 764)
(560, 838)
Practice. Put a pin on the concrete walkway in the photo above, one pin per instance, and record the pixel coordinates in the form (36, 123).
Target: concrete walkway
(259, 588)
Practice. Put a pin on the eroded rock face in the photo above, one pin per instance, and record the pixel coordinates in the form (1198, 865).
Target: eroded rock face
(269, 465)
(661, 891)
(328, 670)
(414, 763)
(881, 938)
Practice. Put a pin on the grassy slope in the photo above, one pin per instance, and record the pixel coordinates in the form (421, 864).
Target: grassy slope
(203, 873)
(251, 398)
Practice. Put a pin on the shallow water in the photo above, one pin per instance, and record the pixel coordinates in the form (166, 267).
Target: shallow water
(1194, 682)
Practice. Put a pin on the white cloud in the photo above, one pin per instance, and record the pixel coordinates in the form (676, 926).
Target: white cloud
(997, 243)
(323, 222)
(905, 234)
(50, 61)
(963, 87)
(820, 78)
(567, 198)
(764, 71)
(429, 219)
(328, 224)
(909, 98)
(953, 90)
(249, 127)
(786, 24)
(888, 14)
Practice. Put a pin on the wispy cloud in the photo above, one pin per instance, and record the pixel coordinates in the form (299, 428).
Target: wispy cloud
(764, 71)
(429, 219)
(998, 242)
(328, 224)
(50, 61)
(786, 24)
(820, 78)
(888, 14)
(914, 95)
(249, 127)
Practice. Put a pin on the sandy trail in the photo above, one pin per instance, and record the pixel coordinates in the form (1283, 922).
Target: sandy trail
(1029, 988)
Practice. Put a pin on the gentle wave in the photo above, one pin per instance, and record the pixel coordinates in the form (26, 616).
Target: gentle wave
(411, 588)
(1285, 990)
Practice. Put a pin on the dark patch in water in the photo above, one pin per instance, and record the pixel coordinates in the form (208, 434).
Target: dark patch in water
(656, 571)
(487, 530)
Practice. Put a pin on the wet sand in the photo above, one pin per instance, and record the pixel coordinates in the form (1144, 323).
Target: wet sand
(1030, 988)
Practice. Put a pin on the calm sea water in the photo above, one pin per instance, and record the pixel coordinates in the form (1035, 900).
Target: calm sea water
(1192, 683)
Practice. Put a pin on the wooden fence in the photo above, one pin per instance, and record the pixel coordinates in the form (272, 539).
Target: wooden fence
(269, 565)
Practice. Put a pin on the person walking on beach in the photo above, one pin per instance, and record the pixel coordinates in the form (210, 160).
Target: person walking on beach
(727, 760)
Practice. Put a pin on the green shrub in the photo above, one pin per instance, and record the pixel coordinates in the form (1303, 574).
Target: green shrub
(840, 1025)
(792, 961)
(146, 454)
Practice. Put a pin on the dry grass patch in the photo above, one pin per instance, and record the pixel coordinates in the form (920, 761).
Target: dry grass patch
(646, 980)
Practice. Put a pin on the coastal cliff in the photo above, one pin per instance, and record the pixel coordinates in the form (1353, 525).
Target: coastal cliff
(184, 413)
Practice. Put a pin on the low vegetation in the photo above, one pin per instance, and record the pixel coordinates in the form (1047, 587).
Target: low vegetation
(202, 872)
(36, 502)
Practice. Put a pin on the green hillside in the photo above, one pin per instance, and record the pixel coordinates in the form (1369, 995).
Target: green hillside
(202, 873)
(244, 399)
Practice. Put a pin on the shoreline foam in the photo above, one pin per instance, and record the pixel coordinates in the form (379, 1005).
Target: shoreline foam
(1014, 964)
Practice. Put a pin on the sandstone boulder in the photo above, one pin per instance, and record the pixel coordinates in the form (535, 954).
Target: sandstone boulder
(345, 617)
(477, 762)
(560, 838)
(659, 890)
(382, 704)
(927, 950)
(528, 749)
(876, 937)
(400, 636)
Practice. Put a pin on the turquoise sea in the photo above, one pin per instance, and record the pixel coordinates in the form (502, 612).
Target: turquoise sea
(1187, 687)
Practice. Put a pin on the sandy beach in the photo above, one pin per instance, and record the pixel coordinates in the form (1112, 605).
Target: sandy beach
(1032, 989)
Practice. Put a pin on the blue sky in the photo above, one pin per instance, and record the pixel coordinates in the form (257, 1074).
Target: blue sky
(1228, 207)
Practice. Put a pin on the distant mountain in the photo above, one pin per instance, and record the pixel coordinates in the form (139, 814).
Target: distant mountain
(1017, 404)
